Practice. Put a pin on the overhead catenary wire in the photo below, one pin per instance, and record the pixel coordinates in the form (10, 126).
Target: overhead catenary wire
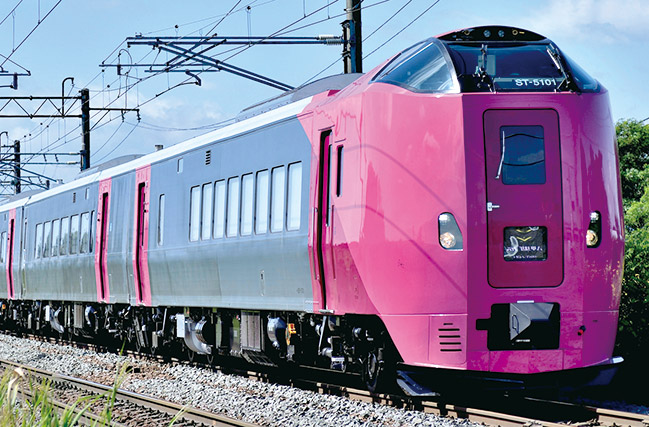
(118, 145)
(11, 12)
(188, 80)
(403, 29)
(40, 21)
(364, 38)
(100, 119)
(121, 93)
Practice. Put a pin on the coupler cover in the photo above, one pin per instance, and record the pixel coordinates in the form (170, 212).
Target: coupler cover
(522, 326)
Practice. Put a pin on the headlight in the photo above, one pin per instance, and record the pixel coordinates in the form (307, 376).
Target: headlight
(594, 230)
(447, 240)
(450, 236)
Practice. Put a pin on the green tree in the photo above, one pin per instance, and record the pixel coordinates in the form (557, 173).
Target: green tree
(633, 143)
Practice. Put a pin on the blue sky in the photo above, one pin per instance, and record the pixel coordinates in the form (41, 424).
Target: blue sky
(608, 38)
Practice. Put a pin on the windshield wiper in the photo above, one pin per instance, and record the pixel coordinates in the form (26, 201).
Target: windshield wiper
(481, 71)
(568, 80)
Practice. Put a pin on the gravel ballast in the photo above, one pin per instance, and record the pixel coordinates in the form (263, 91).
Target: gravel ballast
(230, 395)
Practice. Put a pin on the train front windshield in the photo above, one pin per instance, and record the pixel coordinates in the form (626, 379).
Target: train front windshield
(507, 67)
(468, 66)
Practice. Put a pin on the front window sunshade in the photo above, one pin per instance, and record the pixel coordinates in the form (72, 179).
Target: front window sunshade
(525, 244)
(522, 151)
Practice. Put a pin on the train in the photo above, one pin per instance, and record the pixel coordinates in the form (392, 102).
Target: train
(452, 216)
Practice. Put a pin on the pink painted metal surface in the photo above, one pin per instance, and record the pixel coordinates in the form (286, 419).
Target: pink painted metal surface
(101, 233)
(590, 292)
(11, 234)
(519, 206)
(141, 236)
(410, 157)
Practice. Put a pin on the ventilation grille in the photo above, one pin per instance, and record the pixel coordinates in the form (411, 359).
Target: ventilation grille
(74, 197)
(450, 339)
(208, 157)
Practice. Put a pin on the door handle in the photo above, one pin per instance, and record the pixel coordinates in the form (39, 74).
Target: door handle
(492, 206)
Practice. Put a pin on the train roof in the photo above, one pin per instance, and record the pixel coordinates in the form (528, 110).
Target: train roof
(224, 133)
(286, 105)
(491, 33)
(335, 82)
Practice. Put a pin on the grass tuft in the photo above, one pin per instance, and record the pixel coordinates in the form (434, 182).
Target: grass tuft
(25, 403)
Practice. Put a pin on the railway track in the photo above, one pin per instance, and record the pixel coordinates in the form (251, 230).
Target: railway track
(502, 412)
(129, 409)
(505, 412)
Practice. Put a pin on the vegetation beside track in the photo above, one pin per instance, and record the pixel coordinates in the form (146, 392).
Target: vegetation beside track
(28, 403)
(633, 334)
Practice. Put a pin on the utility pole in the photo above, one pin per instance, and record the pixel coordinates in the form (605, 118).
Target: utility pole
(85, 128)
(48, 107)
(353, 49)
(17, 165)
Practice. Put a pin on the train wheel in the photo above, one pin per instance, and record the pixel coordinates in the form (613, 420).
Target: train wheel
(376, 375)
(372, 371)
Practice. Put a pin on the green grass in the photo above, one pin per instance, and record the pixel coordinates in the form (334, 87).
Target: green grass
(25, 403)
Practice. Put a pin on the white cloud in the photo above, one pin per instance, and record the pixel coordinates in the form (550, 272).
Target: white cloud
(182, 112)
(600, 20)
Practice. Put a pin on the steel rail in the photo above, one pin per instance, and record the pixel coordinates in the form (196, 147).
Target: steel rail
(490, 418)
(183, 413)
(593, 415)
(86, 418)
(601, 416)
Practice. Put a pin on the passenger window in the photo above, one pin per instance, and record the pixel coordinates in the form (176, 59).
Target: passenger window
(56, 236)
(278, 196)
(339, 178)
(179, 166)
(38, 244)
(522, 153)
(261, 214)
(85, 233)
(194, 213)
(294, 196)
(206, 222)
(247, 199)
(91, 240)
(219, 209)
(47, 239)
(161, 220)
(3, 246)
(233, 207)
(74, 234)
(65, 236)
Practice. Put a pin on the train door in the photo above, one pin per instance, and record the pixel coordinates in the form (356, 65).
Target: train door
(101, 271)
(22, 250)
(141, 236)
(524, 206)
(323, 235)
(9, 259)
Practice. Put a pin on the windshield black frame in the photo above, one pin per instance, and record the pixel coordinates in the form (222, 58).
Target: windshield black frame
(538, 66)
